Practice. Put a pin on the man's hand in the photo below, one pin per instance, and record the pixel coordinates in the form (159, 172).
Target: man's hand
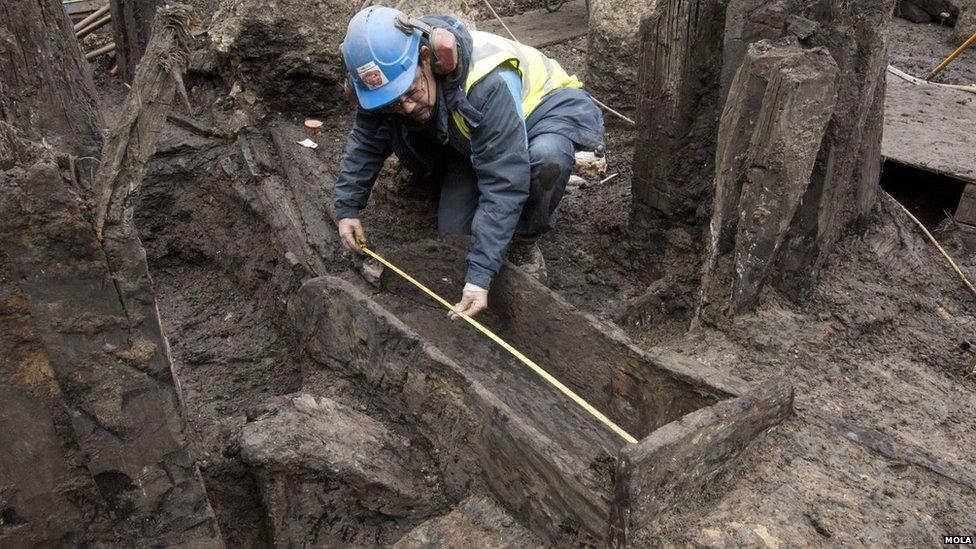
(473, 300)
(351, 233)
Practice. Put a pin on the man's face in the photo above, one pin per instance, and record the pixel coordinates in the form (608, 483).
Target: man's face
(417, 103)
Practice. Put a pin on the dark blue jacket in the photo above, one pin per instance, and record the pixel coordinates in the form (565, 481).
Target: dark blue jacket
(498, 148)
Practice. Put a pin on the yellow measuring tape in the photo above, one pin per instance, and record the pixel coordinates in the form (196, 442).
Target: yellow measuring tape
(515, 352)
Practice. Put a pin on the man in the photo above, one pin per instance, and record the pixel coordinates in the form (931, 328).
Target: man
(496, 122)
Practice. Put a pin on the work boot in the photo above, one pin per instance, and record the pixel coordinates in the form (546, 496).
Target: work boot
(525, 254)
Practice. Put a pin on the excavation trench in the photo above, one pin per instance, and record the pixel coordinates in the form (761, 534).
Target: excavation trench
(541, 455)
(390, 362)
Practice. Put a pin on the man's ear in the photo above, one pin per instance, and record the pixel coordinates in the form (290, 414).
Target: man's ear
(424, 54)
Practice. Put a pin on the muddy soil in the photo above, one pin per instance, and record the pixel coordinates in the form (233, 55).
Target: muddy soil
(881, 346)
(881, 354)
(226, 339)
(919, 48)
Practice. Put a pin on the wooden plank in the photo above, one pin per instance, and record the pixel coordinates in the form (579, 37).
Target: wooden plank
(930, 127)
(80, 7)
(966, 211)
(638, 391)
(546, 463)
(676, 462)
(539, 28)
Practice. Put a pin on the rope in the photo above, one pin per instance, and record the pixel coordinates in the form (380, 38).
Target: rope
(493, 12)
(945, 254)
(515, 352)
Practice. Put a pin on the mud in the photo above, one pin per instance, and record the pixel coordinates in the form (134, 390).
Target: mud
(919, 48)
(613, 39)
(883, 343)
(229, 351)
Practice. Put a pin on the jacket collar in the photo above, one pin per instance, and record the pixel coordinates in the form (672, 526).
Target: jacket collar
(451, 96)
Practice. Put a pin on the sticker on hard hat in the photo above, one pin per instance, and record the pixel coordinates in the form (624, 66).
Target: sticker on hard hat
(371, 75)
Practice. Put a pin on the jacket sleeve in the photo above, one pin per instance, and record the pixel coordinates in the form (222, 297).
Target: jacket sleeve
(367, 146)
(500, 157)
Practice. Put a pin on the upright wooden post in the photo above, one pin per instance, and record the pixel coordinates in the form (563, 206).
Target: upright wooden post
(844, 183)
(131, 24)
(47, 96)
(678, 106)
(691, 49)
(774, 119)
(46, 88)
(93, 442)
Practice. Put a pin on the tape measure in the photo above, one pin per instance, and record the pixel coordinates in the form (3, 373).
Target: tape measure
(515, 352)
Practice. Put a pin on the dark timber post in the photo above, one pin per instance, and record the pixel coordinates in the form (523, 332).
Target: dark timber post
(678, 106)
(93, 449)
(131, 24)
(46, 93)
(45, 83)
(774, 120)
(844, 184)
(691, 49)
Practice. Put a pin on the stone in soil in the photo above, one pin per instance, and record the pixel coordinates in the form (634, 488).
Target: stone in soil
(329, 474)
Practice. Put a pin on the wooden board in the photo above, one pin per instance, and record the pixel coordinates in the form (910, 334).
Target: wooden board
(81, 7)
(631, 387)
(539, 28)
(930, 127)
(540, 458)
(495, 422)
(966, 211)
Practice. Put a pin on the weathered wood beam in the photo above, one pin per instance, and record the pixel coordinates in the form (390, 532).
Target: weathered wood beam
(538, 453)
(46, 88)
(93, 27)
(39, 448)
(94, 313)
(133, 140)
(844, 184)
(85, 312)
(677, 462)
(91, 18)
(681, 49)
(775, 117)
(132, 22)
(108, 48)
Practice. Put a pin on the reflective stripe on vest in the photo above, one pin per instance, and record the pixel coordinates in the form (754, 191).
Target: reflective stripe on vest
(540, 75)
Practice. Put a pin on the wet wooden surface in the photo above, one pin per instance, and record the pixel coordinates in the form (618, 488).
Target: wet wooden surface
(493, 424)
(548, 410)
(930, 127)
(635, 390)
(539, 28)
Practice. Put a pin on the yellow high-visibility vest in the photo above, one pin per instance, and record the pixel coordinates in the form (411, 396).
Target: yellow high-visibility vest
(540, 75)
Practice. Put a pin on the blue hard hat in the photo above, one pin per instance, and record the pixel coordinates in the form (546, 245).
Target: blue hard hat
(380, 57)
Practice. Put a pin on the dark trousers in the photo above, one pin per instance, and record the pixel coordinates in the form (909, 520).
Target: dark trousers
(551, 159)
